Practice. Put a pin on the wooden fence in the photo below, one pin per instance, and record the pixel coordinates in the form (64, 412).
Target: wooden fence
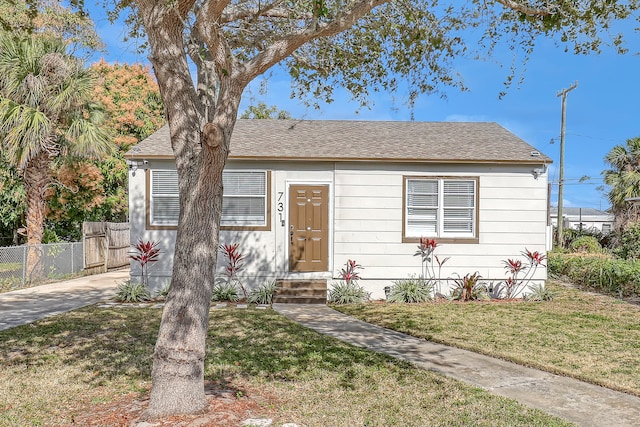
(106, 246)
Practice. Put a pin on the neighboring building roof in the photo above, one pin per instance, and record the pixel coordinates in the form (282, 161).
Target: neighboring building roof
(335, 140)
(571, 211)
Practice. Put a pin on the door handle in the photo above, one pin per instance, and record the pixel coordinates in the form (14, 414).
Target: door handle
(291, 233)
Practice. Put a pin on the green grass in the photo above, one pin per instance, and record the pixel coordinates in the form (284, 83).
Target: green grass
(583, 335)
(53, 369)
(10, 266)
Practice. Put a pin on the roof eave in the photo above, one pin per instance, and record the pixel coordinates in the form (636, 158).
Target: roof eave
(537, 161)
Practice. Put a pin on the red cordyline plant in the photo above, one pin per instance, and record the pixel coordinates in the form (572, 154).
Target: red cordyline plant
(235, 264)
(349, 274)
(146, 253)
(426, 250)
(515, 283)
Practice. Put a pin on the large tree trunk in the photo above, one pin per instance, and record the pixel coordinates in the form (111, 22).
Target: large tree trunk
(178, 362)
(201, 123)
(36, 181)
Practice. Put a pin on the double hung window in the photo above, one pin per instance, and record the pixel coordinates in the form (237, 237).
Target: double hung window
(440, 207)
(244, 204)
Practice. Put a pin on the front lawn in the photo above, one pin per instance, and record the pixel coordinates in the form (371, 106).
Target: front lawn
(583, 335)
(69, 369)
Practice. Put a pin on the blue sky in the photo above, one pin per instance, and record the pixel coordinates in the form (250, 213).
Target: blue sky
(601, 112)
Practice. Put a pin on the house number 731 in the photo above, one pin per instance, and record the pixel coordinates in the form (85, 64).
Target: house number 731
(280, 207)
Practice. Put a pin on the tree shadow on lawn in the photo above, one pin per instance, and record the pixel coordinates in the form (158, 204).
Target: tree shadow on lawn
(110, 345)
(266, 344)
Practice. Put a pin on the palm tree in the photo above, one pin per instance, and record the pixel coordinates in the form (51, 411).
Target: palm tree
(46, 115)
(623, 180)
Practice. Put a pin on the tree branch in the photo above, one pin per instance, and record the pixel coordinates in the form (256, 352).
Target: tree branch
(527, 10)
(280, 49)
(215, 9)
(269, 11)
(209, 30)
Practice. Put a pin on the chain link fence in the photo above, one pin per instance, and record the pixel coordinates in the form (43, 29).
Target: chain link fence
(57, 261)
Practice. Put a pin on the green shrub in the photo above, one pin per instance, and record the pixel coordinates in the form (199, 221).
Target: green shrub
(627, 246)
(557, 264)
(600, 273)
(410, 290)
(224, 291)
(344, 292)
(263, 294)
(587, 244)
(129, 291)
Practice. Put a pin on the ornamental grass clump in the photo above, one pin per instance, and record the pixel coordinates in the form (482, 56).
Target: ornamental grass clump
(347, 290)
(263, 294)
(225, 291)
(130, 291)
(410, 291)
(347, 293)
(539, 292)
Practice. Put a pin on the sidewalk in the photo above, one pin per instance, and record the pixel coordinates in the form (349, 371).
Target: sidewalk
(31, 304)
(575, 401)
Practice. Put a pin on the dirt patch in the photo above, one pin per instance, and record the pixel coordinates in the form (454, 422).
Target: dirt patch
(227, 408)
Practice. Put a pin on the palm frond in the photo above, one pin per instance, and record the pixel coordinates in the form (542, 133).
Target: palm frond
(25, 132)
(87, 139)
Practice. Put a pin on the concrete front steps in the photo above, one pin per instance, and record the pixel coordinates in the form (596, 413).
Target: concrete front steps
(300, 291)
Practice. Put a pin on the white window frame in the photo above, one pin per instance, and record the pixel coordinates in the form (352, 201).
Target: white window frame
(237, 222)
(225, 223)
(439, 232)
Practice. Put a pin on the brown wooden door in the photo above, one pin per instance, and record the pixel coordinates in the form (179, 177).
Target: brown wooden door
(308, 227)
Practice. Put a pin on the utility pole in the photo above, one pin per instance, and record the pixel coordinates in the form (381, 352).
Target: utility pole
(563, 93)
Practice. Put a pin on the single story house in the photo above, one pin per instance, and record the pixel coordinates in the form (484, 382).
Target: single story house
(584, 218)
(303, 197)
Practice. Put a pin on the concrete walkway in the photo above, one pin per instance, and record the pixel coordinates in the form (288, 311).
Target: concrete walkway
(575, 401)
(31, 304)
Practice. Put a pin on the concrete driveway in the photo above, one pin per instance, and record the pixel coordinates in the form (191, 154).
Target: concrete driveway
(28, 305)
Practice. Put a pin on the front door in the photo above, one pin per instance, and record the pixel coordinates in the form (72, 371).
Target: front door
(308, 227)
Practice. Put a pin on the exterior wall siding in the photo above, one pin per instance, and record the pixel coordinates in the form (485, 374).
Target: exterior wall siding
(366, 222)
(368, 204)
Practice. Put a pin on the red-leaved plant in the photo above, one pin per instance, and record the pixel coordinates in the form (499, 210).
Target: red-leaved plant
(426, 250)
(146, 253)
(350, 274)
(235, 264)
(516, 282)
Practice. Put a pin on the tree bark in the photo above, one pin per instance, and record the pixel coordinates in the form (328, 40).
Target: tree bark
(200, 141)
(36, 181)
(178, 364)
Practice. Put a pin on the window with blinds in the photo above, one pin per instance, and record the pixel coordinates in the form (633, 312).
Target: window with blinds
(244, 200)
(440, 207)
(164, 202)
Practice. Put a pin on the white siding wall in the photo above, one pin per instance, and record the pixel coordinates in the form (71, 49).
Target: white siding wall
(368, 221)
(366, 216)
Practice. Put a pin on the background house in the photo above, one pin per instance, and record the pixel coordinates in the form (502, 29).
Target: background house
(583, 218)
(303, 197)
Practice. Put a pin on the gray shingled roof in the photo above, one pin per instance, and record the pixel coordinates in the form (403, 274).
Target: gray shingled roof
(334, 140)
